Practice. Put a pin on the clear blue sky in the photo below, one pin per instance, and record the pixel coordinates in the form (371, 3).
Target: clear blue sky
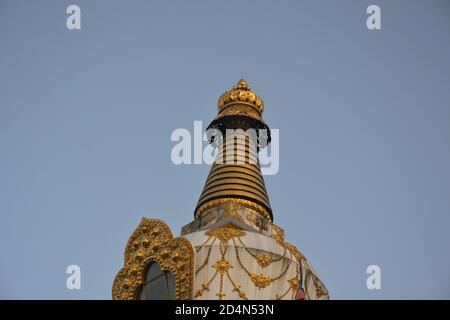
(86, 118)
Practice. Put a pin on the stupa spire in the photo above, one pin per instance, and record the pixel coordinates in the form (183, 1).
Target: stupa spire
(235, 176)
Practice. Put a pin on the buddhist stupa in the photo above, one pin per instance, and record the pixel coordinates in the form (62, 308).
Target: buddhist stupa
(232, 249)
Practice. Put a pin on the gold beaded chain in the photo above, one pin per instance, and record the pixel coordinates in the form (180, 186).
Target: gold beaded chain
(222, 265)
(262, 260)
(318, 286)
(203, 244)
(293, 285)
(277, 297)
(205, 286)
(259, 280)
(237, 288)
(205, 262)
(306, 285)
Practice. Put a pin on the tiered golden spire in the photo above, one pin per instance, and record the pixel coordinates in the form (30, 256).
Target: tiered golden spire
(238, 181)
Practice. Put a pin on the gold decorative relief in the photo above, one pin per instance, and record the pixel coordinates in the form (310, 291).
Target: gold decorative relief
(240, 109)
(222, 265)
(153, 241)
(260, 280)
(244, 203)
(263, 260)
(226, 232)
(232, 208)
(241, 93)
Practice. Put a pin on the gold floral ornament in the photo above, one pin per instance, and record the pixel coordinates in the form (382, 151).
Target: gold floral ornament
(260, 280)
(263, 260)
(226, 232)
(222, 265)
(153, 241)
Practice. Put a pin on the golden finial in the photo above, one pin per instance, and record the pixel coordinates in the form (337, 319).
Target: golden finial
(241, 94)
(242, 85)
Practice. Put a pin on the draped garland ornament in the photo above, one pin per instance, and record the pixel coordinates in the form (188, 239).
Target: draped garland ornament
(229, 236)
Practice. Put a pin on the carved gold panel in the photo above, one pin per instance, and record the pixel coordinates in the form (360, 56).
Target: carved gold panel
(153, 241)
